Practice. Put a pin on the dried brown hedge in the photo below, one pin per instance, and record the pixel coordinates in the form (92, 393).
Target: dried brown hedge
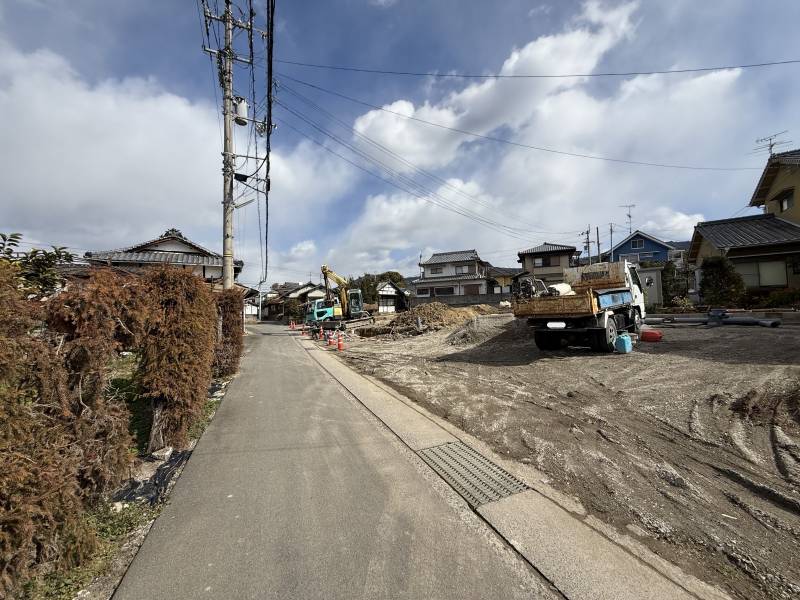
(40, 498)
(230, 307)
(177, 353)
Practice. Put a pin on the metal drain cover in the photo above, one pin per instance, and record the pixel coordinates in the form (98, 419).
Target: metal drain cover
(473, 476)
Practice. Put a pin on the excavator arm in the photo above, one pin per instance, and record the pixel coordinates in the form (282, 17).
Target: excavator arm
(329, 275)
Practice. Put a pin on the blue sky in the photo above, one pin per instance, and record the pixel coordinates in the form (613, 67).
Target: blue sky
(112, 131)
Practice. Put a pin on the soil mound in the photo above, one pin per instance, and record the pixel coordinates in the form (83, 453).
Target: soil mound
(435, 315)
(475, 330)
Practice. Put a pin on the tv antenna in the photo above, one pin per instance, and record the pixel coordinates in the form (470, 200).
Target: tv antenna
(770, 142)
(629, 215)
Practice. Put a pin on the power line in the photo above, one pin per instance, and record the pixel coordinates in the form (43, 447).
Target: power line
(536, 75)
(425, 196)
(403, 160)
(513, 143)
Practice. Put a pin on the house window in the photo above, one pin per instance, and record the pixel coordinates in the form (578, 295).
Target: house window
(444, 291)
(637, 244)
(770, 273)
(436, 270)
(543, 261)
(646, 254)
(462, 269)
(423, 291)
(785, 200)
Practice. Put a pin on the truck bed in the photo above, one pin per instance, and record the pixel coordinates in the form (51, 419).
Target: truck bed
(583, 303)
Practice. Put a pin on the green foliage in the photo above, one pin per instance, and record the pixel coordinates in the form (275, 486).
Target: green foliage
(36, 268)
(293, 309)
(368, 284)
(720, 285)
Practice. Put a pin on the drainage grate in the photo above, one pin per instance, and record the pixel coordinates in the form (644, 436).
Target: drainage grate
(473, 476)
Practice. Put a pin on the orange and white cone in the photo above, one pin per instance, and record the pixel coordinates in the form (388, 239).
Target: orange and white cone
(340, 343)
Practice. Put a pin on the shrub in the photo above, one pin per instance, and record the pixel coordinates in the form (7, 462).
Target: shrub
(40, 497)
(177, 353)
(230, 307)
(787, 298)
(720, 285)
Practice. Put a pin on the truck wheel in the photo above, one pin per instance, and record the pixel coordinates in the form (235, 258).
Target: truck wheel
(637, 322)
(607, 338)
(546, 340)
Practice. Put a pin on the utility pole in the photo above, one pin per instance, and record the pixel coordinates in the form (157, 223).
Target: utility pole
(587, 244)
(629, 215)
(610, 242)
(597, 231)
(227, 151)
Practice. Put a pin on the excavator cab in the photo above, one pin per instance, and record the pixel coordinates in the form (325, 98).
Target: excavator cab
(356, 304)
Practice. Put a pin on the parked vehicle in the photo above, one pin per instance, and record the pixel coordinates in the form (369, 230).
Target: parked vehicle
(340, 307)
(317, 311)
(594, 303)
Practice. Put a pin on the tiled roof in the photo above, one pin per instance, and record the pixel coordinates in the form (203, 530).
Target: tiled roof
(503, 271)
(742, 232)
(548, 247)
(444, 278)
(448, 257)
(680, 245)
(158, 257)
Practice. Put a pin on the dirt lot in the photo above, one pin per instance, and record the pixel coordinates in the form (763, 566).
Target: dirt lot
(691, 444)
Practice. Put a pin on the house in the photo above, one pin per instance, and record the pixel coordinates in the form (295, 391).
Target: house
(642, 247)
(301, 293)
(548, 261)
(171, 248)
(764, 249)
(391, 297)
(501, 278)
(459, 273)
(779, 185)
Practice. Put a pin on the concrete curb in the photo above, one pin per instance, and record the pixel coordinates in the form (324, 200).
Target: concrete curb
(582, 557)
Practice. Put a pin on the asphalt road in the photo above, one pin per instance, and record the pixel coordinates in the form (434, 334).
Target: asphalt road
(296, 491)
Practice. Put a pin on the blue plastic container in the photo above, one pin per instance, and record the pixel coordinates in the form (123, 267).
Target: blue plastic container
(623, 343)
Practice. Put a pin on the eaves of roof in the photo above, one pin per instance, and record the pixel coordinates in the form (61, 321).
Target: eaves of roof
(448, 257)
(548, 248)
(157, 257)
(445, 278)
(770, 172)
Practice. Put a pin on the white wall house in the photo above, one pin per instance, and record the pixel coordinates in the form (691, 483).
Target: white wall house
(460, 273)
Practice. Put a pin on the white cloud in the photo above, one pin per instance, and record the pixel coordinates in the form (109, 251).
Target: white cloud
(485, 106)
(383, 3)
(107, 165)
(678, 120)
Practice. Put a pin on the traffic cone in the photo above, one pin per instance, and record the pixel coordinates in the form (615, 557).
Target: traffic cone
(321, 335)
(330, 339)
(340, 343)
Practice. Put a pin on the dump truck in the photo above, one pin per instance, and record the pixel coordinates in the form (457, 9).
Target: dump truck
(592, 305)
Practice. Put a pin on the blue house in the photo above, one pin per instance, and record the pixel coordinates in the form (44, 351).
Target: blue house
(642, 247)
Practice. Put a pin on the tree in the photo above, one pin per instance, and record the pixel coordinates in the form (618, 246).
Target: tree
(36, 268)
(720, 283)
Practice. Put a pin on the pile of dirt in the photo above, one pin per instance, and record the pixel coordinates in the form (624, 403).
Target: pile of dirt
(476, 330)
(434, 315)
